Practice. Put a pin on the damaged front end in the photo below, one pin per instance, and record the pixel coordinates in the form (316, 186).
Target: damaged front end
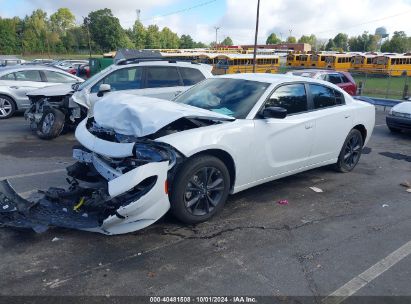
(109, 192)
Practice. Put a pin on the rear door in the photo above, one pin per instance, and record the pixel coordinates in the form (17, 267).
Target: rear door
(162, 82)
(54, 77)
(333, 120)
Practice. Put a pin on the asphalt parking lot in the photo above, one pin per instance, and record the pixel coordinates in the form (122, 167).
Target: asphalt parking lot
(310, 247)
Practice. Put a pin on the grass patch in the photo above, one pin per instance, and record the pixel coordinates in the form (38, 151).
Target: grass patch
(60, 56)
(382, 86)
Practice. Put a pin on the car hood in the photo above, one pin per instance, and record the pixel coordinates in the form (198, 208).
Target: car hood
(140, 116)
(403, 107)
(54, 90)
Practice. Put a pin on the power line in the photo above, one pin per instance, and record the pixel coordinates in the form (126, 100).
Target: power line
(181, 10)
(364, 23)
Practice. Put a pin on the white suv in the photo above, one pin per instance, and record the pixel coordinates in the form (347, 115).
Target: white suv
(52, 110)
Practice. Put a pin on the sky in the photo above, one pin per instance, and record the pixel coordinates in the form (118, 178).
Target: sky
(236, 18)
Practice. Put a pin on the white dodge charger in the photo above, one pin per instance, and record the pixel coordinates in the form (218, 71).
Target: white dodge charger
(140, 156)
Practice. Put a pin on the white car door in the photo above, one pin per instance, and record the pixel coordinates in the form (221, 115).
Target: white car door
(284, 145)
(333, 120)
(54, 77)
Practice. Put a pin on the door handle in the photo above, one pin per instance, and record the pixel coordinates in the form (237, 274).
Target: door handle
(347, 116)
(309, 126)
(14, 87)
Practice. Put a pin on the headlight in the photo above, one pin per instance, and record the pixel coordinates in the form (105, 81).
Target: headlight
(390, 112)
(154, 152)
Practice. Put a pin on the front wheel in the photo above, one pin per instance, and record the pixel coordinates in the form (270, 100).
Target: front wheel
(351, 152)
(51, 124)
(200, 189)
(7, 107)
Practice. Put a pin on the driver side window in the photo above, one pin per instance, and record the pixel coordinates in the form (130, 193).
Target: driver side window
(291, 97)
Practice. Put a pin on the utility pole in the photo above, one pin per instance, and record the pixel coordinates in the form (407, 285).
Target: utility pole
(216, 30)
(138, 12)
(86, 22)
(291, 32)
(256, 35)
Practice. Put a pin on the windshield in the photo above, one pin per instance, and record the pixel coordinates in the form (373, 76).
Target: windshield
(93, 78)
(232, 97)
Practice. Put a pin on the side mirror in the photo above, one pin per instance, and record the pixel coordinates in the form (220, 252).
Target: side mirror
(103, 88)
(274, 112)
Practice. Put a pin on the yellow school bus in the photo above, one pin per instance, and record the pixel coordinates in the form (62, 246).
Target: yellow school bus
(183, 56)
(293, 60)
(363, 62)
(393, 64)
(339, 62)
(243, 63)
(318, 60)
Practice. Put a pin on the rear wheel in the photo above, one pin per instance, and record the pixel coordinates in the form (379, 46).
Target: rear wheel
(200, 189)
(51, 124)
(351, 152)
(7, 107)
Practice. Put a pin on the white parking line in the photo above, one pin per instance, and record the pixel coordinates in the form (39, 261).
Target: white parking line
(367, 276)
(380, 125)
(32, 174)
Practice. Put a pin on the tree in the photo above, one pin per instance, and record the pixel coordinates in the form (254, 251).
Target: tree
(363, 43)
(8, 34)
(62, 20)
(227, 41)
(153, 37)
(291, 39)
(312, 40)
(105, 29)
(186, 42)
(139, 35)
(272, 39)
(399, 43)
(168, 39)
(341, 41)
(330, 46)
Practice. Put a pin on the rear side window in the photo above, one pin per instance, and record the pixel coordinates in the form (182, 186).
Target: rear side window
(334, 78)
(157, 77)
(345, 79)
(291, 97)
(324, 97)
(8, 77)
(191, 76)
(58, 77)
(29, 75)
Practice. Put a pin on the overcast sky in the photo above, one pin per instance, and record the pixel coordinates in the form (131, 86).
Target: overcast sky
(236, 18)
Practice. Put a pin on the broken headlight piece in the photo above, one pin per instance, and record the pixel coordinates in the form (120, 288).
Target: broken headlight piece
(150, 152)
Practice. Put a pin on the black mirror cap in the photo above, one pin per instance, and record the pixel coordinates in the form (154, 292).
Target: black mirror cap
(274, 112)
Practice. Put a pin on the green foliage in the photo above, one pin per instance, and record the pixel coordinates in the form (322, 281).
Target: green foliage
(330, 46)
(291, 39)
(312, 40)
(106, 30)
(341, 41)
(364, 43)
(399, 43)
(153, 37)
(8, 34)
(227, 41)
(62, 20)
(139, 35)
(186, 42)
(272, 39)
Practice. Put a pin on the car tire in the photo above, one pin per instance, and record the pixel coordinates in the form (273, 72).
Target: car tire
(51, 124)
(350, 152)
(394, 130)
(7, 107)
(205, 178)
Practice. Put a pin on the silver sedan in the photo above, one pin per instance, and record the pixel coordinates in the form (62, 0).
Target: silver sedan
(17, 81)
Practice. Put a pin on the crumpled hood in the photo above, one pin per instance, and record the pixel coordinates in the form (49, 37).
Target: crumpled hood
(53, 90)
(403, 107)
(140, 116)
